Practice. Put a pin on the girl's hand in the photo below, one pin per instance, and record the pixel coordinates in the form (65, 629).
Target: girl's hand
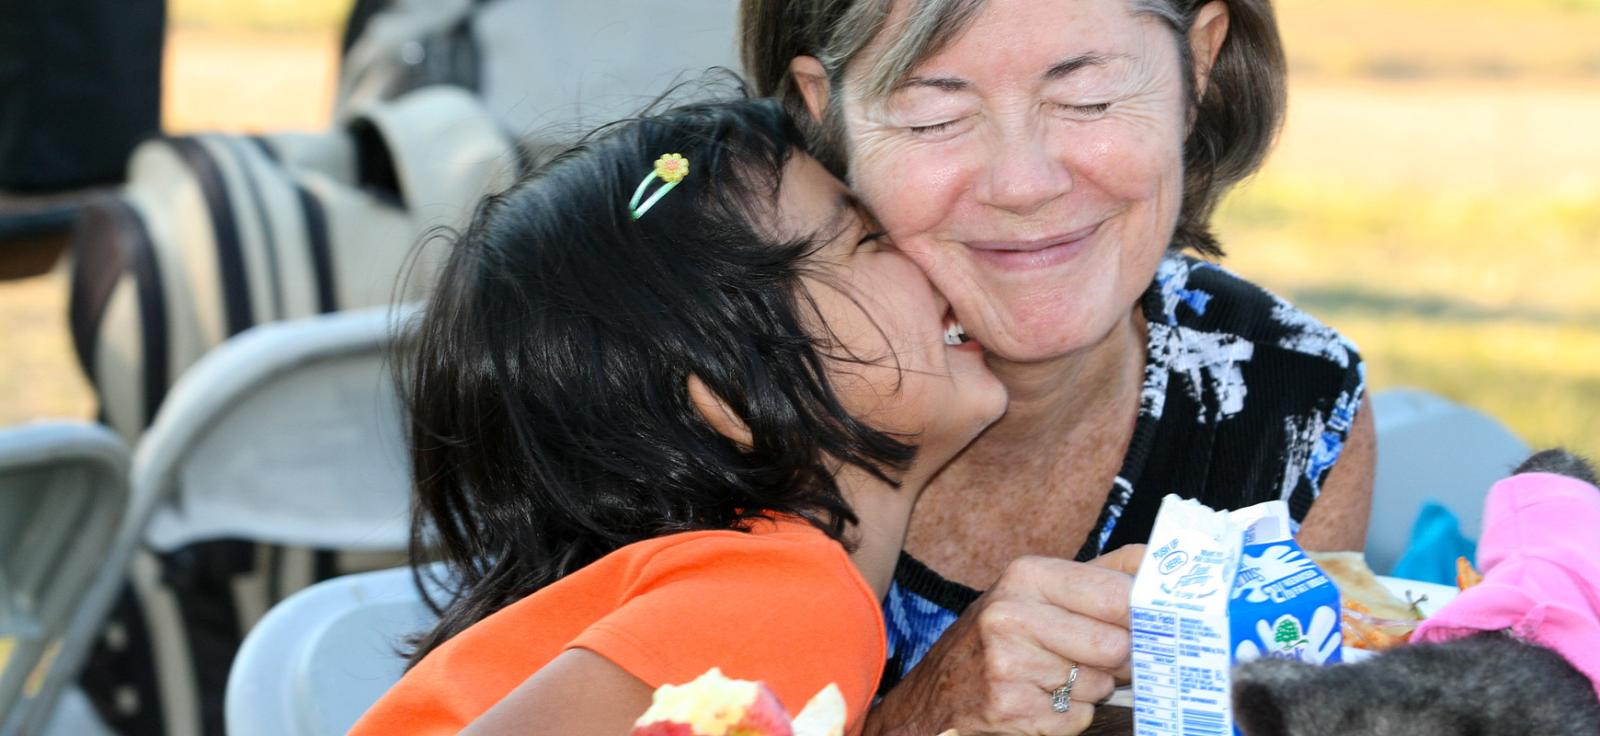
(993, 671)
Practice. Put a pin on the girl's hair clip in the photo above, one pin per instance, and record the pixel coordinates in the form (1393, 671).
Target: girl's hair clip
(670, 169)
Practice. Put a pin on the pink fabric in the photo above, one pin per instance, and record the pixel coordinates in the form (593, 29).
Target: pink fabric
(1540, 557)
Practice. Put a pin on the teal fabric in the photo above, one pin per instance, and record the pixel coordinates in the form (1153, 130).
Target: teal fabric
(1436, 542)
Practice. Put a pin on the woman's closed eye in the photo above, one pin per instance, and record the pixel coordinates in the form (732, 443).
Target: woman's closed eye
(1084, 112)
(933, 130)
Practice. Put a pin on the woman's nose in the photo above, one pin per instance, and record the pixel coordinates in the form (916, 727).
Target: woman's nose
(1022, 174)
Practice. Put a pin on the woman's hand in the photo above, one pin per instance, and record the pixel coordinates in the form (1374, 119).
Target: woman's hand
(993, 671)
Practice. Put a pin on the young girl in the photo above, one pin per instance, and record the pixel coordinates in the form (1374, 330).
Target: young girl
(671, 412)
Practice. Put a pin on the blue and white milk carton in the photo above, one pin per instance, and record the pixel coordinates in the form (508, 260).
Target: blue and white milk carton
(1217, 588)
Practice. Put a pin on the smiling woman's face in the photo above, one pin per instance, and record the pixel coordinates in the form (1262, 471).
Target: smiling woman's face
(1032, 168)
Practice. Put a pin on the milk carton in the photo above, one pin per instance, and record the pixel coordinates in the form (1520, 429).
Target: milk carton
(1217, 588)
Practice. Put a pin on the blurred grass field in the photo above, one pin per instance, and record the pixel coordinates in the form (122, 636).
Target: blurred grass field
(1435, 195)
(1488, 298)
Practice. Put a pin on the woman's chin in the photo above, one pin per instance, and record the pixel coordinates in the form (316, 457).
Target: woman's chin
(1029, 349)
(1052, 334)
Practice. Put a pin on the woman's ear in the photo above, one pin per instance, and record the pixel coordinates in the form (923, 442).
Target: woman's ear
(718, 414)
(812, 80)
(1210, 29)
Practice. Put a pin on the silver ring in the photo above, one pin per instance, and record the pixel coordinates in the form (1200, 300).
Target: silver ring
(1061, 697)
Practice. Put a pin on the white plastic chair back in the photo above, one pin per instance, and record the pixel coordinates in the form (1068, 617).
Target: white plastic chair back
(63, 495)
(289, 433)
(608, 61)
(549, 71)
(1432, 449)
(324, 655)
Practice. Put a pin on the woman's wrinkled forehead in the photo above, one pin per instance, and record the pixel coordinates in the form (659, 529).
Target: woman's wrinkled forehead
(893, 37)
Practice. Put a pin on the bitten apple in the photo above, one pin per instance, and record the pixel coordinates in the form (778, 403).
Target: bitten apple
(714, 705)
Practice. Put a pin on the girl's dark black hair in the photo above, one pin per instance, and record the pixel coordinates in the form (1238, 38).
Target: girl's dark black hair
(550, 422)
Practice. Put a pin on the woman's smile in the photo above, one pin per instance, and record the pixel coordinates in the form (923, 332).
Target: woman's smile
(1020, 255)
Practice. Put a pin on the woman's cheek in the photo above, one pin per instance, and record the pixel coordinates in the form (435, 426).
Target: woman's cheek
(912, 188)
(1127, 164)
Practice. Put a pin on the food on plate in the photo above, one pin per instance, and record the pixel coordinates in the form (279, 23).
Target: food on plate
(1466, 577)
(1357, 583)
(1363, 630)
(715, 705)
(1373, 617)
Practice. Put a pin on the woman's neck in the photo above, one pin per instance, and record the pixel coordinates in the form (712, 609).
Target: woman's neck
(1051, 406)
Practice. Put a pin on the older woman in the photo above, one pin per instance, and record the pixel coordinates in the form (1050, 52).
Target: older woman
(1047, 163)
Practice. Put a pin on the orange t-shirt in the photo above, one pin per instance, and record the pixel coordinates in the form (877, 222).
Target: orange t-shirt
(782, 604)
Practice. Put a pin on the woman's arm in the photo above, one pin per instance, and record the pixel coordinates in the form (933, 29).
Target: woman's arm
(579, 692)
(993, 671)
(1338, 518)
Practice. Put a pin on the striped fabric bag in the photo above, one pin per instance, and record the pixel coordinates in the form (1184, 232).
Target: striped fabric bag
(216, 233)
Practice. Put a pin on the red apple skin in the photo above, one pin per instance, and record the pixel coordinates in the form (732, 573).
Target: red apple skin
(765, 717)
(662, 728)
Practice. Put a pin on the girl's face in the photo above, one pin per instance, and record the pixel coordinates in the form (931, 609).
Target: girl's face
(889, 360)
(1032, 168)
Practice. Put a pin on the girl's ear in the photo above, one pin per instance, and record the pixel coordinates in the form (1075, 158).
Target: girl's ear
(718, 414)
(812, 80)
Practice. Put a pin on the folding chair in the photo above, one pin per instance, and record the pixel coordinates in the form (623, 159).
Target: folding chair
(63, 496)
(1432, 449)
(289, 433)
(320, 658)
(287, 436)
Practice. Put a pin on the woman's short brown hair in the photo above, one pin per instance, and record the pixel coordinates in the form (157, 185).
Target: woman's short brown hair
(1234, 123)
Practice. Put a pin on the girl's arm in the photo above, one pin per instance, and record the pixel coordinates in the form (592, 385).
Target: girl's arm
(579, 693)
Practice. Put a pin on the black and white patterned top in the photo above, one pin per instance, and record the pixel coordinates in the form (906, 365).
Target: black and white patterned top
(1245, 399)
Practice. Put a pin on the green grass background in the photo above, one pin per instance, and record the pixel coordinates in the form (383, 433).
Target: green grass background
(1491, 299)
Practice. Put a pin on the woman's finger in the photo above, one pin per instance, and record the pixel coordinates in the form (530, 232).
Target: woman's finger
(1029, 667)
(1071, 637)
(1092, 686)
(1124, 559)
(1040, 719)
(1091, 590)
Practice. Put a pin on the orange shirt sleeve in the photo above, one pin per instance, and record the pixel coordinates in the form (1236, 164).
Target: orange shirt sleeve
(787, 609)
